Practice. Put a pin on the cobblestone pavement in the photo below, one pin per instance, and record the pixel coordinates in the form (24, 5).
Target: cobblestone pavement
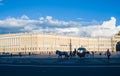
(53, 59)
(46, 65)
(75, 61)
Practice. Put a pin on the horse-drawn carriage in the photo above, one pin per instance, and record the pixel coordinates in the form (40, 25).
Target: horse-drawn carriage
(81, 52)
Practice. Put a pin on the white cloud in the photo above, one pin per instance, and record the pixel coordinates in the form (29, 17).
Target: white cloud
(41, 18)
(13, 22)
(72, 30)
(110, 24)
(79, 18)
(24, 17)
(28, 28)
(49, 18)
(108, 28)
(48, 24)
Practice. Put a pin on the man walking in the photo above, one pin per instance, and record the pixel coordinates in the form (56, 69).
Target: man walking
(108, 54)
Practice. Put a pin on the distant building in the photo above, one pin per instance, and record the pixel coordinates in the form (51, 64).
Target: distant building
(42, 43)
(116, 43)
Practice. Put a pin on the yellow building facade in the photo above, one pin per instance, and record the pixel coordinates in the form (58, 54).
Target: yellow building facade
(43, 43)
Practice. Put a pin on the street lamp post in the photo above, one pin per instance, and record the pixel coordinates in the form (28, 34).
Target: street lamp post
(31, 42)
(70, 48)
(98, 43)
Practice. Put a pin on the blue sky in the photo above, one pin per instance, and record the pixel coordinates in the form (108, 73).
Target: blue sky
(64, 10)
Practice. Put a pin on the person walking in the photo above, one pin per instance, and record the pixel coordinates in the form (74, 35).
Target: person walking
(49, 54)
(108, 54)
(93, 54)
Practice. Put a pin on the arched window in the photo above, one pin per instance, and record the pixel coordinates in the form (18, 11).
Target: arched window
(118, 46)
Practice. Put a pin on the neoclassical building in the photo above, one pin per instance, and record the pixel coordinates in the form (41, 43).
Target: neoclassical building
(42, 43)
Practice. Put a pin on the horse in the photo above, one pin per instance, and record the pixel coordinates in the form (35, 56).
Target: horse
(60, 54)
